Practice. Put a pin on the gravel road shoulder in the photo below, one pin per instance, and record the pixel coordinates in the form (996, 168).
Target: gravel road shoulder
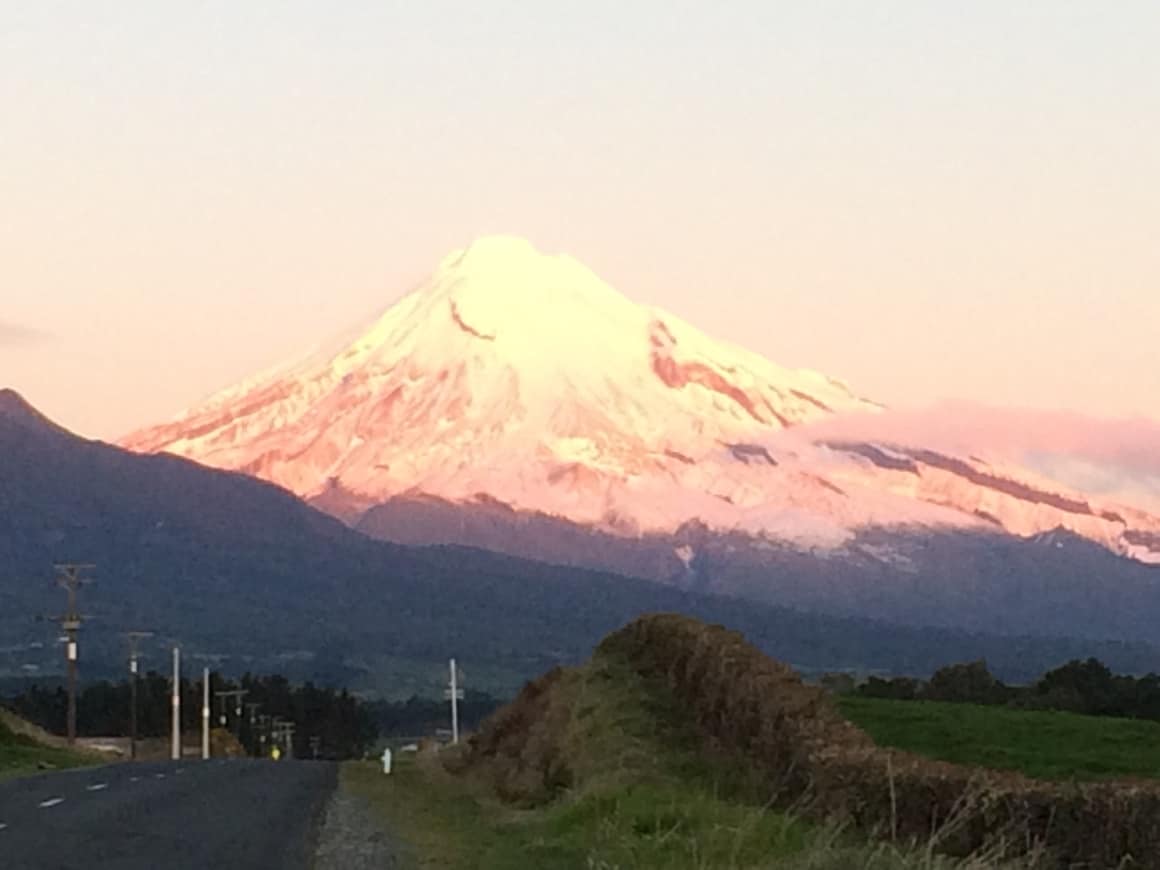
(351, 837)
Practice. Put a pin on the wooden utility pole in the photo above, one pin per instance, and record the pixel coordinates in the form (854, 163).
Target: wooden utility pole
(223, 695)
(252, 709)
(134, 638)
(69, 578)
(284, 735)
(264, 731)
(288, 738)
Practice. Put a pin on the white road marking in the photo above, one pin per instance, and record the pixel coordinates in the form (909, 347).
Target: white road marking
(2, 826)
(51, 802)
(97, 786)
(134, 779)
(159, 776)
(180, 771)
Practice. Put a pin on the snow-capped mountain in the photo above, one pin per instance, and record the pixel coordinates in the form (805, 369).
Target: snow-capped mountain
(518, 377)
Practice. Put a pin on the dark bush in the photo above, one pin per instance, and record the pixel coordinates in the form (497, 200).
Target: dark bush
(969, 683)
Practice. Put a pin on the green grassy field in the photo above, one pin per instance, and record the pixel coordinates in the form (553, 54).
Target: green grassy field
(20, 755)
(1041, 744)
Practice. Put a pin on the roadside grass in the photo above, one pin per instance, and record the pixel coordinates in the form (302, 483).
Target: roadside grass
(441, 824)
(638, 794)
(21, 754)
(1040, 744)
(452, 823)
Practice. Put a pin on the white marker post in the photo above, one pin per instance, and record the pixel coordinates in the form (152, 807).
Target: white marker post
(455, 694)
(205, 714)
(175, 747)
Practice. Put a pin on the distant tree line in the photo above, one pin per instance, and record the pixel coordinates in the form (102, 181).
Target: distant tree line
(1081, 686)
(341, 725)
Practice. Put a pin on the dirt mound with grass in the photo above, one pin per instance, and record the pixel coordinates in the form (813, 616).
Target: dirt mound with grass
(523, 746)
(753, 719)
(12, 726)
(25, 748)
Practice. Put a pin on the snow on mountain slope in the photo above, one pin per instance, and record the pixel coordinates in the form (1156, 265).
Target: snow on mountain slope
(522, 377)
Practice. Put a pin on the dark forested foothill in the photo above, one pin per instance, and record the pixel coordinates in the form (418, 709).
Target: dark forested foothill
(164, 561)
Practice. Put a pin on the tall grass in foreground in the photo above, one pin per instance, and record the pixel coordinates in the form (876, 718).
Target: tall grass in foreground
(447, 824)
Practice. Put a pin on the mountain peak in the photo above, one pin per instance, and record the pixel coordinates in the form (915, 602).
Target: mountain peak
(15, 407)
(504, 250)
(12, 402)
(511, 372)
(523, 378)
(509, 275)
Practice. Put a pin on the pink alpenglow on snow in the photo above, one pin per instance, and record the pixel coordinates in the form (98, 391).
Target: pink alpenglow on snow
(521, 377)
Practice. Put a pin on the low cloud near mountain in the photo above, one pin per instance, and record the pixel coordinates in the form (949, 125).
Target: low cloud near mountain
(1117, 459)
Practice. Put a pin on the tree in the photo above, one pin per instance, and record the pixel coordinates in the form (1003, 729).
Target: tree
(1082, 687)
(343, 724)
(897, 689)
(969, 683)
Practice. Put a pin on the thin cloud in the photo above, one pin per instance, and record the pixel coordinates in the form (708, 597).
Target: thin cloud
(1113, 458)
(12, 334)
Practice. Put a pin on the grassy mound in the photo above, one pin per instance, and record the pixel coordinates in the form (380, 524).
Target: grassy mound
(25, 749)
(603, 767)
(614, 777)
(749, 707)
(1043, 745)
(590, 768)
(681, 745)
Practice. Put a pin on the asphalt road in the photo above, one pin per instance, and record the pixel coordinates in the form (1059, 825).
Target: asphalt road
(249, 815)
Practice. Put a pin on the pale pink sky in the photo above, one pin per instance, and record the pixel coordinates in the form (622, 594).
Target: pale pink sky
(929, 200)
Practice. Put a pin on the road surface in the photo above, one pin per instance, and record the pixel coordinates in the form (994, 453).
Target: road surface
(249, 815)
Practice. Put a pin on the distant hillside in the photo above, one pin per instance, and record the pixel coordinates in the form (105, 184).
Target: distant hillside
(1057, 584)
(236, 568)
